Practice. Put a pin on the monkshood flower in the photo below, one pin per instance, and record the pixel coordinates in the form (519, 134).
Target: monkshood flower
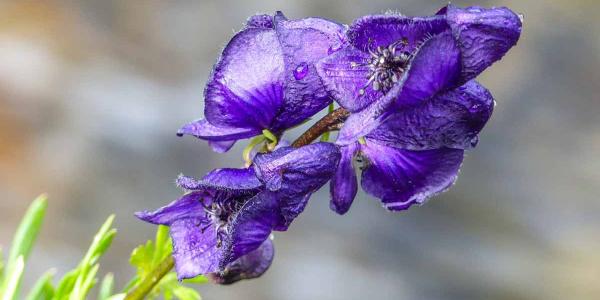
(223, 223)
(394, 62)
(266, 79)
(416, 153)
(408, 82)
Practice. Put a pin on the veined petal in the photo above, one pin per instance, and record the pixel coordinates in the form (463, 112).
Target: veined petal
(194, 248)
(245, 88)
(344, 74)
(226, 179)
(304, 42)
(401, 178)
(483, 35)
(205, 130)
(297, 171)
(189, 206)
(296, 174)
(451, 119)
(251, 265)
(251, 226)
(370, 32)
(435, 67)
(343, 186)
(221, 146)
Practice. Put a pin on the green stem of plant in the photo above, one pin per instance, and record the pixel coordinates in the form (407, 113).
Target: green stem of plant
(148, 283)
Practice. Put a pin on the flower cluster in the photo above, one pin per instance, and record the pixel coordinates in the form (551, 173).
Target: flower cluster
(409, 108)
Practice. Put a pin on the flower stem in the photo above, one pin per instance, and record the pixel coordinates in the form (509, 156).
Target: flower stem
(326, 124)
(148, 283)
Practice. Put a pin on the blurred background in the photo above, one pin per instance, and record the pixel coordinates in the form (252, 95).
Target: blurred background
(92, 92)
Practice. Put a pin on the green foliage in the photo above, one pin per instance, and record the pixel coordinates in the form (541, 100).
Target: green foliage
(22, 243)
(148, 256)
(77, 283)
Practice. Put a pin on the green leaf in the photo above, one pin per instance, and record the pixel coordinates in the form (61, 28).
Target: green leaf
(24, 239)
(13, 279)
(65, 285)
(28, 229)
(1, 268)
(200, 279)
(185, 293)
(106, 287)
(43, 289)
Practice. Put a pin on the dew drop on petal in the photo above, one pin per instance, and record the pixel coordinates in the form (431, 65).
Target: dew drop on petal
(301, 71)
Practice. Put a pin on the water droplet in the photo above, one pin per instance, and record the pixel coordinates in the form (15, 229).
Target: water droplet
(474, 141)
(334, 48)
(301, 71)
(474, 108)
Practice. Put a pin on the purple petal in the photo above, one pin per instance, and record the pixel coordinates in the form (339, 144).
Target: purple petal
(204, 130)
(245, 89)
(369, 32)
(260, 21)
(188, 206)
(251, 226)
(304, 42)
(194, 249)
(297, 171)
(401, 178)
(452, 119)
(294, 174)
(251, 265)
(435, 67)
(221, 146)
(484, 35)
(344, 75)
(227, 179)
(343, 186)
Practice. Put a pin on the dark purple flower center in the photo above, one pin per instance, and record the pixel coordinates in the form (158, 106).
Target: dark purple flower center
(386, 65)
(219, 215)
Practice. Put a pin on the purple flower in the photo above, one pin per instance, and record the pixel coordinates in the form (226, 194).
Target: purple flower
(266, 79)
(223, 223)
(416, 152)
(394, 63)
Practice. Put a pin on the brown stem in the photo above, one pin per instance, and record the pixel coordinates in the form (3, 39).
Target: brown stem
(327, 123)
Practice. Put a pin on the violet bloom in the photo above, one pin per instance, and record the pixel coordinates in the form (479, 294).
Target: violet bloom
(223, 223)
(408, 82)
(395, 62)
(265, 79)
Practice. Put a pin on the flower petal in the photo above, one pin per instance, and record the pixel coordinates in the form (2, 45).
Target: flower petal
(221, 146)
(294, 174)
(251, 265)
(304, 42)
(188, 206)
(401, 178)
(204, 130)
(369, 32)
(245, 89)
(194, 249)
(251, 226)
(260, 21)
(297, 170)
(343, 186)
(451, 119)
(344, 75)
(435, 67)
(484, 36)
(226, 179)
